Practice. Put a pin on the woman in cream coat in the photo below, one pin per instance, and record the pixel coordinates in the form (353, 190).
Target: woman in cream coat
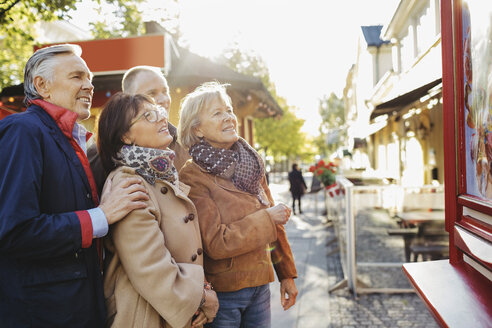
(154, 275)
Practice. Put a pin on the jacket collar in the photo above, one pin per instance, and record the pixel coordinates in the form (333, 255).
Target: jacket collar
(180, 189)
(64, 118)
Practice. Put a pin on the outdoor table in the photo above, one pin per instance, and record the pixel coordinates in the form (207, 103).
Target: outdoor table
(430, 235)
(421, 216)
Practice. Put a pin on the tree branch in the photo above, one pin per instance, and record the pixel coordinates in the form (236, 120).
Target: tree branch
(4, 11)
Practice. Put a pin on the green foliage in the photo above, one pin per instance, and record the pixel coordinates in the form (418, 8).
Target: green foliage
(276, 136)
(281, 136)
(17, 32)
(332, 111)
(34, 10)
(124, 20)
(249, 63)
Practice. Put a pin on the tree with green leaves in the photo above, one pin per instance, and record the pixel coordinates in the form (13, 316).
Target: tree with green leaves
(18, 33)
(125, 19)
(332, 134)
(281, 136)
(270, 133)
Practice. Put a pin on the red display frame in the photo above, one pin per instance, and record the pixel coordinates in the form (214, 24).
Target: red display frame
(455, 145)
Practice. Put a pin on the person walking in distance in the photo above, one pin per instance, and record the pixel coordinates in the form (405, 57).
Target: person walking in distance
(297, 187)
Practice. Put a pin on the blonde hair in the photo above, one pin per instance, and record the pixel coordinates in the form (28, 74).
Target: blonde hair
(193, 104)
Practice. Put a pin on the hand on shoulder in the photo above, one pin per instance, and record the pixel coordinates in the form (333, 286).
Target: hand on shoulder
(125, 196)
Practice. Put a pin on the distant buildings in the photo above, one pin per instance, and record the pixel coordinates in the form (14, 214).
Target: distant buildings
(393, 96)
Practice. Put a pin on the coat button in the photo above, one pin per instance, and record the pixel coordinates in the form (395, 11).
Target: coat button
(185, 219)
(88, 196)
(193, 257)
(191, 217)
(258, 205)
(199, 251)
(164, 190)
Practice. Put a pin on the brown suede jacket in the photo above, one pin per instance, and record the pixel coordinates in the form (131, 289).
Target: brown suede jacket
(239, 237)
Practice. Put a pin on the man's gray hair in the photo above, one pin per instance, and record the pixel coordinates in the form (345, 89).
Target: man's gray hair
(127, 83)
(42, 63)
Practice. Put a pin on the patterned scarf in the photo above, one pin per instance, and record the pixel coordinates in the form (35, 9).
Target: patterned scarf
(241, 160)
(149, 163)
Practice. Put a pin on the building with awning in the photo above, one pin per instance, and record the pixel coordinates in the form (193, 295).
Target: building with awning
(395, 105)
(405, 142)
(410, 100)
(109, 59)
(373, 61)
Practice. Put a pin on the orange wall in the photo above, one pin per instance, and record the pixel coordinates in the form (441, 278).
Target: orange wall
(121, 54)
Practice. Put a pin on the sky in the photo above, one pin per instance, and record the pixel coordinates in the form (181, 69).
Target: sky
(307, 45)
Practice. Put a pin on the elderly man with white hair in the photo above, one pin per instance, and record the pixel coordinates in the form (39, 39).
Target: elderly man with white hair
(50, 212)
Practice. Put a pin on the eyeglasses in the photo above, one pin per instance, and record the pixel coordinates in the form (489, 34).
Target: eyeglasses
(153, 116)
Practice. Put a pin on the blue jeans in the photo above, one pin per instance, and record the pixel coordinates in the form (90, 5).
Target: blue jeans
(245, 308)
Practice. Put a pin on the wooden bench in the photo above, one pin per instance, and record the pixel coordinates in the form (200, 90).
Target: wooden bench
(402, 231)
(432, 242)
(423, 235)
(429, 251)
(408, 235)
(456, 295)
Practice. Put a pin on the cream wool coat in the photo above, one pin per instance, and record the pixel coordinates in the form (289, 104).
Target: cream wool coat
(155, 276)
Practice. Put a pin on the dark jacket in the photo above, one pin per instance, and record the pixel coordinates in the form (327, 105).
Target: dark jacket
(49, 268)
(297, 183)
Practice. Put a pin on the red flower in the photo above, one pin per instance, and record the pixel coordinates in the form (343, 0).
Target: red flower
(325, 172)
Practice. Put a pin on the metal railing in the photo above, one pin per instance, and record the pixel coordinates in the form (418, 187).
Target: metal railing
(342, 210)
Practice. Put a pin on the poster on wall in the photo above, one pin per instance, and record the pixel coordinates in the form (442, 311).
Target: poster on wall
(477, 79)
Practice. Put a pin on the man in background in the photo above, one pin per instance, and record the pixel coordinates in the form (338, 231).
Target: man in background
(150, 81)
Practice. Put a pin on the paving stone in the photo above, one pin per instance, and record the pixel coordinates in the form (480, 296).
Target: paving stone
(316, 307)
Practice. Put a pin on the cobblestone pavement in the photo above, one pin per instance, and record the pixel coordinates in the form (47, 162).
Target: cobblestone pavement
(319, 267)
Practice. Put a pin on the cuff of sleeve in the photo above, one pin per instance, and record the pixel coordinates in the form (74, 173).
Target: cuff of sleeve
(85, 228)
(99, 222)
(273, 225)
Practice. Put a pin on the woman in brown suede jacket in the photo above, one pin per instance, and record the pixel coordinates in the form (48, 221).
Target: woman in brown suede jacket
(154, 276)
(242, 230)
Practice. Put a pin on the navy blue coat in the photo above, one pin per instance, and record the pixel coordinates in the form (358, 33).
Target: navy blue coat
(47, 279)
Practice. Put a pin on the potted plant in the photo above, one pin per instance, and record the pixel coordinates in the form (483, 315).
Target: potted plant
(326, 173)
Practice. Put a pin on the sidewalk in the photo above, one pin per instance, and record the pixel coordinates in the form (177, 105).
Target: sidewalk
(319, 267)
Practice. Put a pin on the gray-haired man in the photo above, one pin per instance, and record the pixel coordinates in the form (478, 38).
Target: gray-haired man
(50, 213)
(150, 81)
